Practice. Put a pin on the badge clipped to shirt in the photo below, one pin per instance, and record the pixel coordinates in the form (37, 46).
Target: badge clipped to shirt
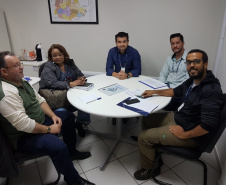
(174, 76)
(181, 106)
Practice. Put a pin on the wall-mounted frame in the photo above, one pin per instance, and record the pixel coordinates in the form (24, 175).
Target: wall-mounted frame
(73, 11)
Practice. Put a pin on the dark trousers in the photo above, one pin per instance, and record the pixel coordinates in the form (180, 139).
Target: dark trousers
(173, 104)
(54, 147)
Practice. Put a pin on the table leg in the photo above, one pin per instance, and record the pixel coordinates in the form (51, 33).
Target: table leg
(118, 137)
(109, 155)
(110, 136)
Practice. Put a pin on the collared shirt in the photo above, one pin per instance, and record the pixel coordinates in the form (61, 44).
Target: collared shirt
(174, 72)
(19, 109)
(130, 60)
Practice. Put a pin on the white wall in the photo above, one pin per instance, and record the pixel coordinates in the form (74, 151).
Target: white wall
(4, 38)
(148, 22)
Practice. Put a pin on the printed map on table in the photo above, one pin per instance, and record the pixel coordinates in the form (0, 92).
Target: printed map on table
(112, 89)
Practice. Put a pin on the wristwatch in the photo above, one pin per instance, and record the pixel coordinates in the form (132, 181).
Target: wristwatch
(128, 75)
(48, 130)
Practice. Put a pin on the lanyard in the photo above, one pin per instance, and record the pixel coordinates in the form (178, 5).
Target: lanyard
(189, 90)
(119, 58)
(177, 66)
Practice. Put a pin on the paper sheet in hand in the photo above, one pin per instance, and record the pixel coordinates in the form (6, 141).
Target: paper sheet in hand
(144, 107)
(153, 83)
(112, 89)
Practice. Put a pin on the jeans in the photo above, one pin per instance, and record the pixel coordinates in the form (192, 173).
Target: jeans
(173, 104)
(83, 117)
(55, 148)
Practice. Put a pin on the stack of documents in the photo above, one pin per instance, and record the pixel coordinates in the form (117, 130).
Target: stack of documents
(153, 83)
(86, 86)
(144, 107)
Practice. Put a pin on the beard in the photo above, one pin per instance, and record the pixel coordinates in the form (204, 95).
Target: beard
(199, 75)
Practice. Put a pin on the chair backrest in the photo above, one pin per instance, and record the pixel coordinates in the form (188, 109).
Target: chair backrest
(8, 167)
(9, 157)
(209, 141)
(40, 70)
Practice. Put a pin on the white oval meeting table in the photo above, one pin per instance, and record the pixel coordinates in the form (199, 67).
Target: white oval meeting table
(107, 105)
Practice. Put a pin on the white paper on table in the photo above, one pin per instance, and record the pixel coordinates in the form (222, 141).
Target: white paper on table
(136, 93)
(153, 83)
(89, 98)
(144, 105)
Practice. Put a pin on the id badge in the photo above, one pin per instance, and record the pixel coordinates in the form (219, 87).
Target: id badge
(181, 106)
(174, 76)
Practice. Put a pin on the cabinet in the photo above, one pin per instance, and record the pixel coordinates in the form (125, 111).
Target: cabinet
(31, 69)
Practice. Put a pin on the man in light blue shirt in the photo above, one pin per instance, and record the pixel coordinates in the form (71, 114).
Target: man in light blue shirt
(174, 71)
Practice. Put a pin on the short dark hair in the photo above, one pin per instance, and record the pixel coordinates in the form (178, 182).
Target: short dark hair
(61, 49)
(121, 34)
(177, 35)
(204, 55)
(2, 57)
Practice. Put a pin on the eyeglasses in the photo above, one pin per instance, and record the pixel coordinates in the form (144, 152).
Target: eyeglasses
(17, 66)
(196, 61)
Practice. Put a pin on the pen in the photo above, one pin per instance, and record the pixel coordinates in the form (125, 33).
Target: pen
(94, 100)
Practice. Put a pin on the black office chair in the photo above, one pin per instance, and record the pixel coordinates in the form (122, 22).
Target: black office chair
(9, 159)
(193, 154)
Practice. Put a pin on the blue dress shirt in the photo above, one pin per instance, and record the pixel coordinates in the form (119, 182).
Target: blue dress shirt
(174, 72)
(130, 60)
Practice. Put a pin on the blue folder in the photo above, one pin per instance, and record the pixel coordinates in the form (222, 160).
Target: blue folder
(132, 108)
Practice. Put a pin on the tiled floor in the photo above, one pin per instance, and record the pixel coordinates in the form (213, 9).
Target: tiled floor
(123, 163)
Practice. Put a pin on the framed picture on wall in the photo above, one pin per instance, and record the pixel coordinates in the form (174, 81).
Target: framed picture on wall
(73, 11)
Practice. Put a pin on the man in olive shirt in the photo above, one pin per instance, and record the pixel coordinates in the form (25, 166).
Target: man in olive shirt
(30, 124)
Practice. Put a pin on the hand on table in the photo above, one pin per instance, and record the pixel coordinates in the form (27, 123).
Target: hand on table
(147, 93)
(122, 75)
(80, 81)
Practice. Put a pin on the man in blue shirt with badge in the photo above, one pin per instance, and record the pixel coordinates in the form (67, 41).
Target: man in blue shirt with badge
(123, 61)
